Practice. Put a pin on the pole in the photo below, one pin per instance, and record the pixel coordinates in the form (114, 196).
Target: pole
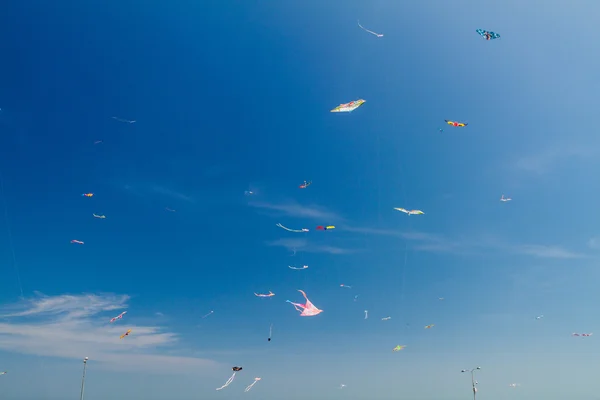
(472, 383)
(83, 378)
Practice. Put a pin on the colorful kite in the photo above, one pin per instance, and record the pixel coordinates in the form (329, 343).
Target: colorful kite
(99, 216)
(398, 348)
(88, 194)
(125, 334)
(120, 316)
(270, 294)
(308, 309)
(409, 212)
(298, 268)
(582, 334)
(76, 241)
(250, 386)
(349, 107)
(488, 35)
(231, 378)
(386, 318)
(429, 326)
(505, 198)
(457, 124)
(325, 228)
(291, 230)
(305, 184)
(371, 32)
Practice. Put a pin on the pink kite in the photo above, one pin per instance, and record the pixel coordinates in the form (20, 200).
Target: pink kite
(270, 294)
(308, 309)
(120, 316)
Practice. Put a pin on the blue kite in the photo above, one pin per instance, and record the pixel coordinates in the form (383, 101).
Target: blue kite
(488, 35)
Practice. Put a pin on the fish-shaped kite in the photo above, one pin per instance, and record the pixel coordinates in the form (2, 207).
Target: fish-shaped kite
(270, 294)
(398, 348)
(409, 212)
(457, 124)
(305, 184)
(76, 241)
(349, 107)
(325, 228)
(120, 316)
(125, 334)
(88, 194)
(488, 35)
(505, 198)
(308, 309)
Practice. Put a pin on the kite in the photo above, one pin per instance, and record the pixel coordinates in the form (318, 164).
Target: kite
(305, 184)
(371, 32)
(270, 332)
(3, 373)
(539, 317)
(120, 316)
(488, 35)
(409, 212)
(386, 318)
(505, 198)
(308, 309)
(88, 194)
(398, 348)
(582, 334)
(77, 241)
(99, 216)
(231, 378)
(208, 314)
(169, 209)
(440, 298)
(513, 384)
(342, 386)
(346, 286)
(270, 294)
(429, 326)
(248, 192)
(325, 228)
(292, 230)
(252, 384)
(298, 268)
(123, 120)
(349, 107)
(457, 124)
(126, 333)
(98, 142)
(366, 314)
(440, 130)
(356, 297)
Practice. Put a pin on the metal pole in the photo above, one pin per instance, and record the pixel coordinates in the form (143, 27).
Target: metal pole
(83, 378)
(473, 384)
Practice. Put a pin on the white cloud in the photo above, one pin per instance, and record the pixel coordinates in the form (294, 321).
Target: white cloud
(304, 245)
(171, 193)
(594, 243)
(542, 251)
(76, 326)
(299, 211)
(545, 160)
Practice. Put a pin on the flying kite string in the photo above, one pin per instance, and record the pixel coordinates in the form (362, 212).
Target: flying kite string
(10, 237)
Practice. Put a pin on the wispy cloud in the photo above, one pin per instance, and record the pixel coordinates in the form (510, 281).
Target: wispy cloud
(71, 326)
(304, 245)
(293, 209)
(171, 193)
(542, 251)
(543, 161)
(144, 190)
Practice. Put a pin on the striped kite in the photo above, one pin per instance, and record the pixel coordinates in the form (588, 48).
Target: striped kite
(457, 124)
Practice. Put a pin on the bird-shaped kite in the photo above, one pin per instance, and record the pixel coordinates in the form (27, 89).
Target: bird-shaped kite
(349, 107)
(409, 212)
(305, 184)
(99, 216)
(325, 228)
(120, 316)
(308, 309)
(88, 194)
(270, 294)
(398, 348)
(77, 242)
(125, 334)
(455, 123)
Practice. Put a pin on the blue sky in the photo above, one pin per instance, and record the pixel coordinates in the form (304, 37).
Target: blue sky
(235, 96)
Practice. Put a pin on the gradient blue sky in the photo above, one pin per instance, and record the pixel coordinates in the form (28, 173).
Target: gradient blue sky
(234, 96)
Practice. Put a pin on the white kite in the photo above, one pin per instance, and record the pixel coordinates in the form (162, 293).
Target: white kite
(409, 212)
(291, 230)
(505, 198)
(252, 384)
(371, 32)
(298, 268)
